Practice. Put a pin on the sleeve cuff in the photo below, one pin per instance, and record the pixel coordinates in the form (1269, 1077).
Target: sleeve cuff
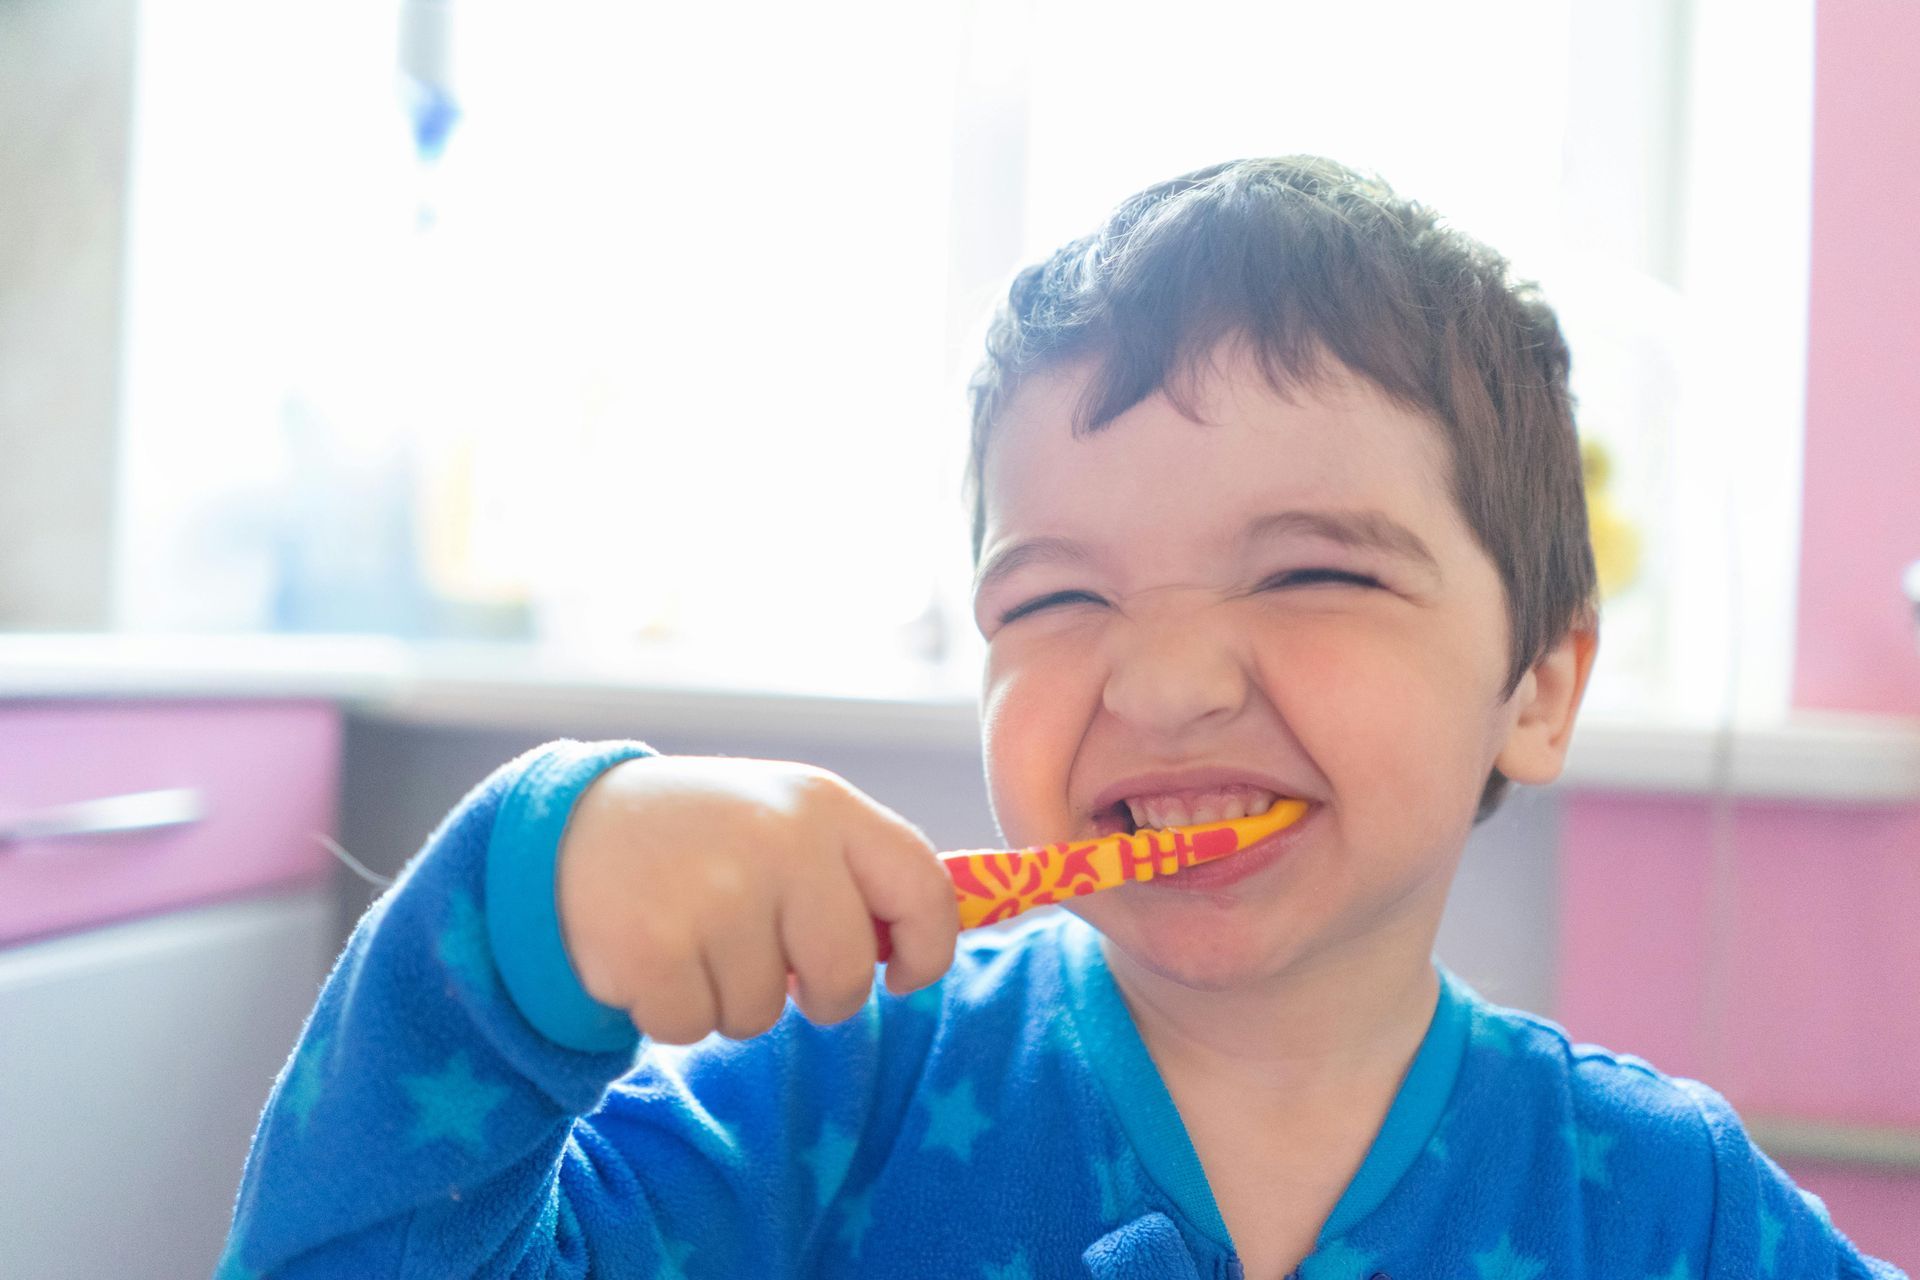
(523, 918)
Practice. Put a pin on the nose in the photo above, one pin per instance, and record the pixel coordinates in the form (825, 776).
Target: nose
(1172, 672)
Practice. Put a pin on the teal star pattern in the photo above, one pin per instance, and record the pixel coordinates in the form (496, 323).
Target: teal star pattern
(923, 1003)
(1678, 1271)
(1594, 1150)
(1058, 1039)
(1437, 1144)
(230, 1268)
(1504, 1262)
(955, 1121)
(675, 1266)
(1770, 1229)
(858, 1220)
(1015, 1268)
(453, 1103)
(1118, 1184)
(909, 1019)
(867, 1020)
(829, 1157)
(1495, 1033)
(1338, 1261)
(1590, 1150)
(304, 1079)
(462, 945)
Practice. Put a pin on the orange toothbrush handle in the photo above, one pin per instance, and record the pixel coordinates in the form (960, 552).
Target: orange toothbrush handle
(992, 885)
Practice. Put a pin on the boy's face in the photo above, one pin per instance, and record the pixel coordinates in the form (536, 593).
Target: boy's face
(1283, 600)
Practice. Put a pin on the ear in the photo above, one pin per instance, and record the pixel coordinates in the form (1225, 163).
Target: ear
(1544, 707)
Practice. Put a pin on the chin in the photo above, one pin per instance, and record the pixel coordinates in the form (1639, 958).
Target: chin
(1186, 948)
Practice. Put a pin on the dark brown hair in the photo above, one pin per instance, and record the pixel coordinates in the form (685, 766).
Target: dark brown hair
(1307, 259)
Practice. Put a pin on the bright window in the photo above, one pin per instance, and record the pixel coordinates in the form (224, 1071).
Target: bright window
(663, 352)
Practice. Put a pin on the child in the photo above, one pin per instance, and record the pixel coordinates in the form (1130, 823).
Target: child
(1276, 494)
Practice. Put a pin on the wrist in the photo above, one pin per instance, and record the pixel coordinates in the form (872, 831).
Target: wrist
(522, 897)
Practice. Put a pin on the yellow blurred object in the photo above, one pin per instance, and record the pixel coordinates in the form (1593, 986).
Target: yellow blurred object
(453, 534)
(1616, 543)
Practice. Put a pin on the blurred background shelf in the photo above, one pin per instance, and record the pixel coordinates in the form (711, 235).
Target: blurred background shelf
(1838, 757)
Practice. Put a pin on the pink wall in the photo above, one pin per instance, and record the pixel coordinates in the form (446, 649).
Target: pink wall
(1818, 967)
(1874, 1210)
(1861, 524)
(1816, 1014)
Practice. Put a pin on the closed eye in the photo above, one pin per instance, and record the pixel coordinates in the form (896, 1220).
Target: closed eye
(1048, 601)
(1292, 578)
(1311, 577)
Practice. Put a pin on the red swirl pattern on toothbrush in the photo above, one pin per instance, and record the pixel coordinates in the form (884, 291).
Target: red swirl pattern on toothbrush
(991, 885)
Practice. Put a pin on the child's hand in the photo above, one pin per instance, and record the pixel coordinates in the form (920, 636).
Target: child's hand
(690, 887)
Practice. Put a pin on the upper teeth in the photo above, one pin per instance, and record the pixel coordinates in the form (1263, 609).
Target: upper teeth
(1216, 805)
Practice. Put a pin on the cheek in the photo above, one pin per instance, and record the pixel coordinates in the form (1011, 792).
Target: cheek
(1033, 715)
(1379, 711)
(1351, 670)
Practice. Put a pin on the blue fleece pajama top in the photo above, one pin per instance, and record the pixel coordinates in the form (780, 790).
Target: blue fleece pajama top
(458, 1106)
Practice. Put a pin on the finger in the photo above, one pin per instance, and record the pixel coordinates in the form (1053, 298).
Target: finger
(827, 934)
(747, 967)
(673, 1000)
(905, 887)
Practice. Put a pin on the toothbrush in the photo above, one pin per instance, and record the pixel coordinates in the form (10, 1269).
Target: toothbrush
(991, 885)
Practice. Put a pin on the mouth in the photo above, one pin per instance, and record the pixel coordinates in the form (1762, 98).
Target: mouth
(1212, 879)
(1132, 814)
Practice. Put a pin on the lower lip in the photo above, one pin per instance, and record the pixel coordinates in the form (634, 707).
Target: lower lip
(1209, 877)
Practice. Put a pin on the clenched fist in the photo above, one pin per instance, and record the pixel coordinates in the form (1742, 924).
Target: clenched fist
(698, 892)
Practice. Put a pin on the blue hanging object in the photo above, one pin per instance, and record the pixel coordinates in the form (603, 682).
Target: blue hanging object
(433, 113)
(426, 74)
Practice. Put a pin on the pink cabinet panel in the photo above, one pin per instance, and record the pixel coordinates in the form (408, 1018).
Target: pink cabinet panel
(1878, 1209)
(1815, 953)
(263, 777)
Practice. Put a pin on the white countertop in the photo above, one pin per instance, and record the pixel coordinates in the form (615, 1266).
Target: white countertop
(1807, 756)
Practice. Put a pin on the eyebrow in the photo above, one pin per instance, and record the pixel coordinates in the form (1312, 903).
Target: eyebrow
(1030, 551)
(1364, 530)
